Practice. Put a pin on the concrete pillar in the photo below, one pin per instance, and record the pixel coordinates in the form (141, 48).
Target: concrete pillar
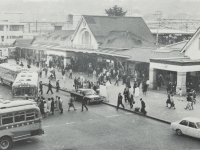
(152, 78)
(181, 82)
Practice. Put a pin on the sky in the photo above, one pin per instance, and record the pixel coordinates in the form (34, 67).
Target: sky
(57, 10)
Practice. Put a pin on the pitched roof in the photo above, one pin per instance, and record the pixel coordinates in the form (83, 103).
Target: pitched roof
(145, 54)
(101, 26)
(56, 37)
(190, 41)
(23, 42)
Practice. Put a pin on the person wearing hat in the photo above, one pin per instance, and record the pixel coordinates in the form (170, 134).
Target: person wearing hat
(41, 87)
(57, 86)
(119, 102)
(143, 106)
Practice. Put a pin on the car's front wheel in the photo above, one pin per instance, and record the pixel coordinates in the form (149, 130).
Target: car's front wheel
(178, 132)
(5, 143)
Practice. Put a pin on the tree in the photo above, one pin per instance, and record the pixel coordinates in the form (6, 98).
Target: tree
(115, 11)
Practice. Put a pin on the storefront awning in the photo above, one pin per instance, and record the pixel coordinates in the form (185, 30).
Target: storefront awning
(108, 53)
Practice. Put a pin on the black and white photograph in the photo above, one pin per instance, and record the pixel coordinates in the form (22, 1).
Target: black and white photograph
(99, 74)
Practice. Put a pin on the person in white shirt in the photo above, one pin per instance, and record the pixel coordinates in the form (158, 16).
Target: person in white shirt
(180, 94)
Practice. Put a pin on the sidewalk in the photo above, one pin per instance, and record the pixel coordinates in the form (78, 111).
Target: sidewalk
(155, 101)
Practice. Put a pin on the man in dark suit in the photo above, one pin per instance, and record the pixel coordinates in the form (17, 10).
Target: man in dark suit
(143, 106)
(119, 102)
(57, 86)
(49, 88)
(84, 101)
(76, 83)
(41, 87)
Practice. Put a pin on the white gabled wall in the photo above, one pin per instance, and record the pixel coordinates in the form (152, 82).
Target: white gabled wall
(78, 37)
(193, 51)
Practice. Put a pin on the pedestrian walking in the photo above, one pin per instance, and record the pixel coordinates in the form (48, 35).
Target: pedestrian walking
(180, 94)
(124, 79)
(131, 100)
(63, 73)
(168, 100)
(49, 106)
(41, 87)
(56, 103)
(144, 88)
(194, 93)
(41, 106)
(57, 86)
(172, 102)
(119, 101)
(40, 72)
(126, 93)
(143, 106)
(71, 103)
(52, 106)
(76, 83)
(189, 103)
(84, 101)
(60, 102)
(70, 73)
(135, 85)
(49, 88)
(45, 108)
(117, 80)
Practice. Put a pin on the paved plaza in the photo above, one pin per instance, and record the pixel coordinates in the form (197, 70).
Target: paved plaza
(155, 100)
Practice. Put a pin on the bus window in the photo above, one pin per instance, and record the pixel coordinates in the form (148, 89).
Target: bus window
(19, 116)
(7, 118)
(30, 115)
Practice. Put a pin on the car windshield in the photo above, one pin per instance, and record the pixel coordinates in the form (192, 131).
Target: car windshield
(89, 92)
(198, 125)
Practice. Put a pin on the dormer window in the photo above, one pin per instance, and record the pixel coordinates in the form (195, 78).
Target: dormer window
(86, 38)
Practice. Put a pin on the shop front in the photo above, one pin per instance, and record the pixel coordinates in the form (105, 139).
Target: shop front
(182, 73)
(56, 58)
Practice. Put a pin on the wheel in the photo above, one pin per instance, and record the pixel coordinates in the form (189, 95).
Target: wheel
(178, 132)
(5, 143)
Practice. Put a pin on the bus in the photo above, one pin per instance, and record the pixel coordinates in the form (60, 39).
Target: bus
(25, 85)
(8, 73)
(19, 120)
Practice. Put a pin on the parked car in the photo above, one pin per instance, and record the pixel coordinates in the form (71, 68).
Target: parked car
(188, 126)
(90, 95)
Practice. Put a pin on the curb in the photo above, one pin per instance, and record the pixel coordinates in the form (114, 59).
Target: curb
(147, 116)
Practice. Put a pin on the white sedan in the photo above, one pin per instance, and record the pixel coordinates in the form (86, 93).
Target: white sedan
(188, 126)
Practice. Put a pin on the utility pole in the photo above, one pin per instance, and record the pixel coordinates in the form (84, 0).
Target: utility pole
(158, 15)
